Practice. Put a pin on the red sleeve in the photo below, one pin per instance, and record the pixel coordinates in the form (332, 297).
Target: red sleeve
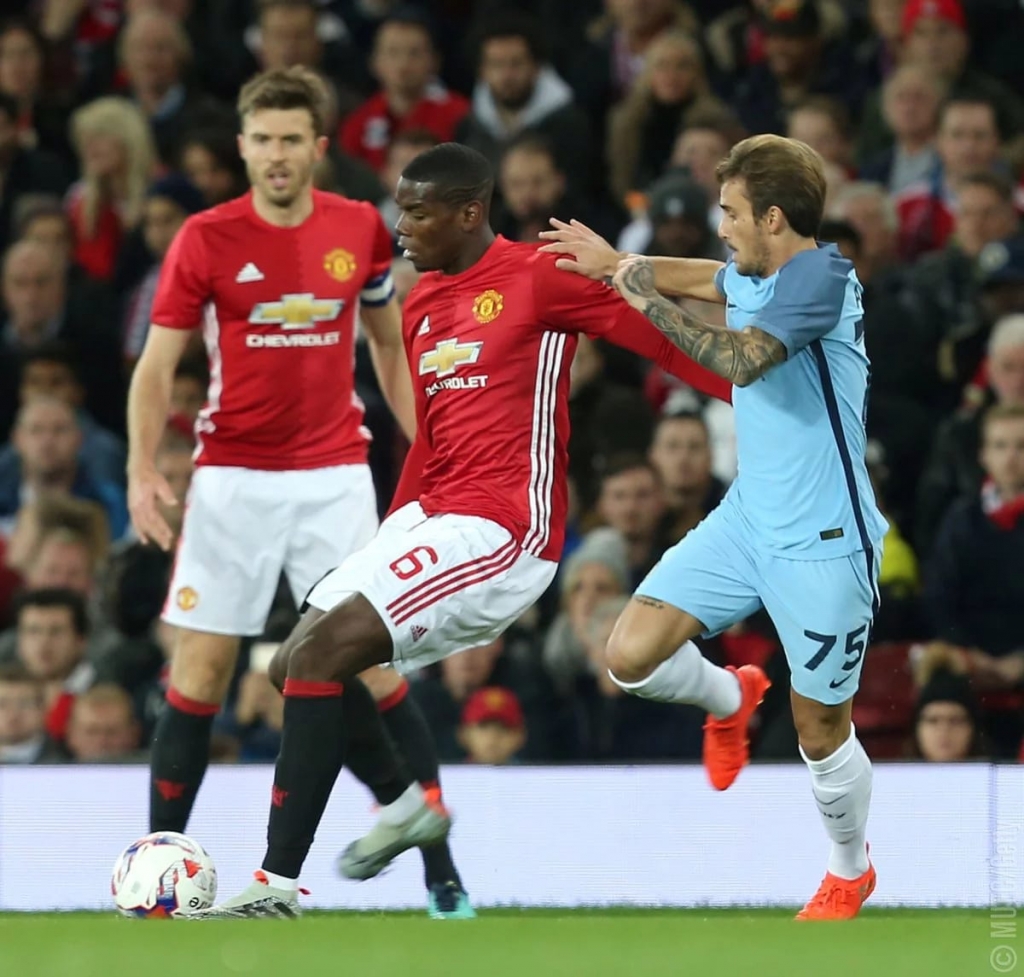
(184, 285)
(408, 488)
(570, 302)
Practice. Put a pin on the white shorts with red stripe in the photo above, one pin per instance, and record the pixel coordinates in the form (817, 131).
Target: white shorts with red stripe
(441, 584)
(243, 527)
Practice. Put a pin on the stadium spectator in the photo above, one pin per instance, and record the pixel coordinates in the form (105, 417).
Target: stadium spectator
(51, 633)
(954, 470)
(824, 124)
(631, 501)
(643, 128)
(23, 736)
(209, 158)
(42, 122)
(681, 454)
(188, 391)
(613, 727)
(910, 105)
(974, 588)
(47, 441)
(51, 370)
(967, 143)
(946, 720)
(118, 160)
(404, 148)
(155, 55)
(493, 728)
(102, 727)
(598, 569)
(169, 201)
(798, 61)
(871, 212)
(509, 662)
(405, 63)
(22, 170)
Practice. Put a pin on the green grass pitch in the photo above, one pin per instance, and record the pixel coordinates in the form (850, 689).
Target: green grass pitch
(507, 943)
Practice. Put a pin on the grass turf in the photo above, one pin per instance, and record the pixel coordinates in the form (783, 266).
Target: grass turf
(508, 943)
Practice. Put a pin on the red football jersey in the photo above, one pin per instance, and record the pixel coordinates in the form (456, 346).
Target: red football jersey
(490, 351)
(277, 309)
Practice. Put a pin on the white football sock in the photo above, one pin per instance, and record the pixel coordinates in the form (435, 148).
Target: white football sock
(280, 882)
(841, 785)
(399, 811)
(688, 677)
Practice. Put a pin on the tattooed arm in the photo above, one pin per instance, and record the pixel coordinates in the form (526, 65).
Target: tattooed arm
(739, 356)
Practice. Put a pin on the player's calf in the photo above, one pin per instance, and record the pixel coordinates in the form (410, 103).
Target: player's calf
(201, 671)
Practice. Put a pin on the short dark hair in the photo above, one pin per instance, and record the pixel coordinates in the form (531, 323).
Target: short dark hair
(835, 231)
(36, 206)
(531, 141)
(406, 15)
(55, 597)
(1000, 185)
(627, 461)
(458, 174)
(693, 416)
(970, 98)
(831, 108)
(53, 351)
(779, 172)
(418, 136)
(286, 88)
(509, 23)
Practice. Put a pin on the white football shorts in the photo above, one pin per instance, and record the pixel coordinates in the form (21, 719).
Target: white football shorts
(441, 583)
(243, 527)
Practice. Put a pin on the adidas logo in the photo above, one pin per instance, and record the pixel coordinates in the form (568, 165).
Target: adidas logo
(425, 327)
(418, 632)
(250, 273)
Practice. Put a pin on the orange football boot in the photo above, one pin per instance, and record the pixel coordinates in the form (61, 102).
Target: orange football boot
(838, 898)
(726, 745)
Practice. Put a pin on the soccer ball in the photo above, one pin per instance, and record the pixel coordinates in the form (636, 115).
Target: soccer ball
(163, 875)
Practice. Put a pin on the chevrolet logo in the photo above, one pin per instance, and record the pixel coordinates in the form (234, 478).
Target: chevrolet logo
(298, 311)
(449, 354)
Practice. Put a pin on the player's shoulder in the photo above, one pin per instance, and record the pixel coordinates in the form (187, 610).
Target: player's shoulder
(817, 270)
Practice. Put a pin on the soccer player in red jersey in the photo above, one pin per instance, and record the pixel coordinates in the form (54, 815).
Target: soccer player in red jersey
(490, 330)
(282, 482)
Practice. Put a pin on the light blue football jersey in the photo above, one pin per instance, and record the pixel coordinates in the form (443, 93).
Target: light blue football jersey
(803, 486)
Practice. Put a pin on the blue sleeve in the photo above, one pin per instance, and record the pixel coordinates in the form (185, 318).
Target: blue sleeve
(720, 280)
(807, 302)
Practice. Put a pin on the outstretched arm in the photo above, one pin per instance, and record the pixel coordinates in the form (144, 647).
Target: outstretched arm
(589, 254)
(739, 356)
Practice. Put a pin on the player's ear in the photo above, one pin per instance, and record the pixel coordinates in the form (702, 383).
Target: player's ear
(775, 220)
(321, 147)
(473, 215)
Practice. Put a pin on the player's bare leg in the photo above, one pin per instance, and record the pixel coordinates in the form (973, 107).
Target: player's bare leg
(325, 706)
(651, 654)
(411, 735)
(841, 784)
(201, 668)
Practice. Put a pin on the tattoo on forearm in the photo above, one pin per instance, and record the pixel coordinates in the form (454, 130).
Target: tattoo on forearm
(649, 602)
(739, 356)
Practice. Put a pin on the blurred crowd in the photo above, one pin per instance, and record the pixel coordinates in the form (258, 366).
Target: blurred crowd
(117, 123)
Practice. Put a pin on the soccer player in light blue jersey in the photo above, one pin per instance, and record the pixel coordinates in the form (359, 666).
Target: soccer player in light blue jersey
(799, 532)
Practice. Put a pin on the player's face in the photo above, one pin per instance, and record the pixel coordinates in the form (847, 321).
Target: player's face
(430, 232)
(745, 237)
(280, 149)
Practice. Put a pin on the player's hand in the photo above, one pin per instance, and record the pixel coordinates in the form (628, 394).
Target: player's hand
(591, 255)
(145, 489)
(634, 281)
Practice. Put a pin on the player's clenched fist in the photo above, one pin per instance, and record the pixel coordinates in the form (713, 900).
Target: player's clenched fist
(146, 489)
(590, 254)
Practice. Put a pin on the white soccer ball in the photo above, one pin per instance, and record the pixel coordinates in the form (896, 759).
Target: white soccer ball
(163, 875)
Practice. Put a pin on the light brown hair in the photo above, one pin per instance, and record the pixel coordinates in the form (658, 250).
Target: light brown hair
(779, 172)
(286, 88)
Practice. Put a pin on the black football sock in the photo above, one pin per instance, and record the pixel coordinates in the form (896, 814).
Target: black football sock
(372, 757)
(178, 759)
(409, 729)
(312, 754)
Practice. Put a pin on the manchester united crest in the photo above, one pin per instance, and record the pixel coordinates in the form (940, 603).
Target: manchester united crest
(487, 306)
(187, 598)
(340, 264)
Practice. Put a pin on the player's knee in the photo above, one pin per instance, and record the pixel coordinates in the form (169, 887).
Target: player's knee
(277, 671)
(203, 665)
(382, 682)
(629, 656)
(821, 731)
